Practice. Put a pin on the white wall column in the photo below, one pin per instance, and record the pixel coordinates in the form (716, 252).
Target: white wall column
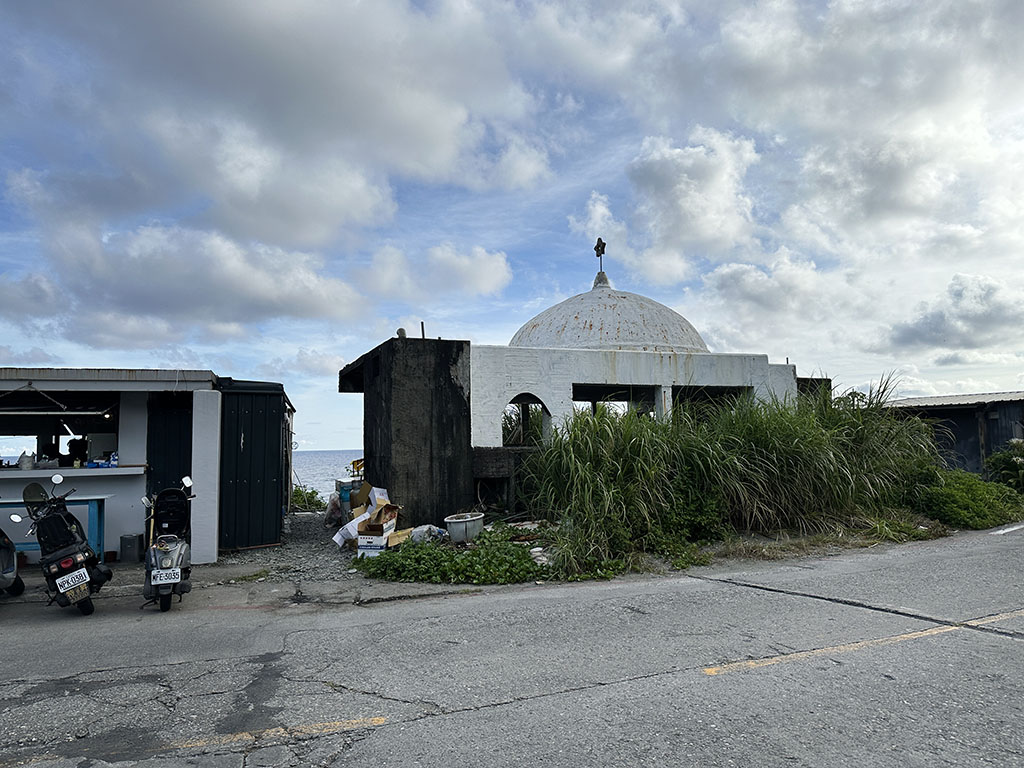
(206, 405)
(662, 401)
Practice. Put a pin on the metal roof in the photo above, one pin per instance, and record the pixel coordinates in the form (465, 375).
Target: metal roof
(950, 401)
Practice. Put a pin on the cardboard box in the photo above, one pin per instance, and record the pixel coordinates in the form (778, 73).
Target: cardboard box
(381, 521)
(350, 530)
(369, 495)
(372, 545)
(397, 537)
(375, 529)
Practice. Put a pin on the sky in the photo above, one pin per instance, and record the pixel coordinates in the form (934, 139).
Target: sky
(270, 189)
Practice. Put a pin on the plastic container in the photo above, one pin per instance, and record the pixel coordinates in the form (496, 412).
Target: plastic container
(132, 550)
(464, 526)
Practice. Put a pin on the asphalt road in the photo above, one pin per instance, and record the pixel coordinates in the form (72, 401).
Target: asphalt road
(892, 656)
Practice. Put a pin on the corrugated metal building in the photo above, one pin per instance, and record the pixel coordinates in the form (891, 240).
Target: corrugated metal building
(971, 427)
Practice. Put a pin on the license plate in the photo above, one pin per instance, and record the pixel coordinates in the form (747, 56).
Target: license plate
(78, 593)
(73, 579)
(166, 576)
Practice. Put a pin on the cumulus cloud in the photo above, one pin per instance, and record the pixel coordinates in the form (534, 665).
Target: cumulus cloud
(975, 358)
(32, 356)
(598, 221)
(691, 199)
(975, 312)
(156, 285)
(306, 362)
(689, 205)
(443, 271)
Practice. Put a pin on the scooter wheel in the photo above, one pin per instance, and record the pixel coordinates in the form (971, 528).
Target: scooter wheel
(85, 607)
(165, 603)
(17, 587)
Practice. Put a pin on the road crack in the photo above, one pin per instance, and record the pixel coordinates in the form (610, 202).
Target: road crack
(976, 624)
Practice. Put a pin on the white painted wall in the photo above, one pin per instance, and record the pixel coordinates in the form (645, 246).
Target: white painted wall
(206, 407)
(498, 374)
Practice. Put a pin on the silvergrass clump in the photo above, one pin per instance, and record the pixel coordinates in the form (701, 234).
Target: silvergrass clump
(624, 485)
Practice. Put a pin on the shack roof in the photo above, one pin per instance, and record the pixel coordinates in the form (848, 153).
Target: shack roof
(130, 379)
(958, 401)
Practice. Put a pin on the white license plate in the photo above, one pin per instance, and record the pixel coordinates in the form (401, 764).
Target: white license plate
(166, 576)
(73, 579)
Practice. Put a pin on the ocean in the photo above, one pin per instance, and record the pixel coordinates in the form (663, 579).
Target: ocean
(319, 469)
(314, 469)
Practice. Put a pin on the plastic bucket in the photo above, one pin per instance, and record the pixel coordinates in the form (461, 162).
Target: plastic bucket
(464, 526)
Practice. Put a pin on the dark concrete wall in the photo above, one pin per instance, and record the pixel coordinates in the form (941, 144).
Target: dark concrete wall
(416, 426)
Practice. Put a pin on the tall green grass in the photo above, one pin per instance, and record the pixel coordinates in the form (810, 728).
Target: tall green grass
(624, 485)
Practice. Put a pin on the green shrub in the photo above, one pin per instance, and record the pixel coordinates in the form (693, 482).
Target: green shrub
(1007, 466)
(307, 499)
(492, 559)
(964, 500)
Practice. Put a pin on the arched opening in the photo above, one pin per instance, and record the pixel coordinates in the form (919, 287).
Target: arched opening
(526, 421)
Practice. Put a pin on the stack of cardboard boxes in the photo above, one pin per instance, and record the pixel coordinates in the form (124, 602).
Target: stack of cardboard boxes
(373, 524)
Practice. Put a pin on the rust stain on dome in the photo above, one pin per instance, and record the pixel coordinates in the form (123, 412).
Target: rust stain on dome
(603, 318)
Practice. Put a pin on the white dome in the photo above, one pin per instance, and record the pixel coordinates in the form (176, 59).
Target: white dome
(604, 318)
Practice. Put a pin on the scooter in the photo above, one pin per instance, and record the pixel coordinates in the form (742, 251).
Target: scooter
(10, 581)
(72, 570)
(168, 554)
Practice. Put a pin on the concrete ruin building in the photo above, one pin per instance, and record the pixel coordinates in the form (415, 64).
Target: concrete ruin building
(434, 408)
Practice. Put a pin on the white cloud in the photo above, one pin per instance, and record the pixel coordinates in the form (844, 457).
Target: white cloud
(444, 271)
(305, 362)
(155, 285)
(975, 312)
(600, 222)
(691, 200)
(33, 356)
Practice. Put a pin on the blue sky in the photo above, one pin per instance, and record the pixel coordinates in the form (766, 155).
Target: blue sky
(270, 189)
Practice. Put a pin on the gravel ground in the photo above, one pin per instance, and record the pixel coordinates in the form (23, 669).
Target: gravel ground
(307, 553)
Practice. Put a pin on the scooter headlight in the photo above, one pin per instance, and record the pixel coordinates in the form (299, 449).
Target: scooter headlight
(165, 562)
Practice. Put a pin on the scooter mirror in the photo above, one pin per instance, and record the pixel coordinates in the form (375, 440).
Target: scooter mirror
(186, 481)
(146, 502)
(16, 518)
(57, 479)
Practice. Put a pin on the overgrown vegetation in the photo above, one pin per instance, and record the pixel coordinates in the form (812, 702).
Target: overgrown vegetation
(1007, 466)
(492, 559)
(620, 488)
(623, 486)
(512, 429)
(963, 500)
(307, 499)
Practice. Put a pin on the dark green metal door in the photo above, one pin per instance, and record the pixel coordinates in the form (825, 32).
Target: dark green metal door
(252, 482)
(168, 439)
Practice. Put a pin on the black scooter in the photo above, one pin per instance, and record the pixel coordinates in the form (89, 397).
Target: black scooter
(10, 581)
(72, 570)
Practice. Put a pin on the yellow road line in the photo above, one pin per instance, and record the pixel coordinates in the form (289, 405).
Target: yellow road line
(994, 619)
(860, 645)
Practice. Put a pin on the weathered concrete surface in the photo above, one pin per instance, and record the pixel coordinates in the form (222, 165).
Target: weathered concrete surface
(607, 318)
(499, 374)
(416, 425)
(895, 656)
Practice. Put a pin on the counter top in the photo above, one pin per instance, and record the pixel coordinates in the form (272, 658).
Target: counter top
(9, 473)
